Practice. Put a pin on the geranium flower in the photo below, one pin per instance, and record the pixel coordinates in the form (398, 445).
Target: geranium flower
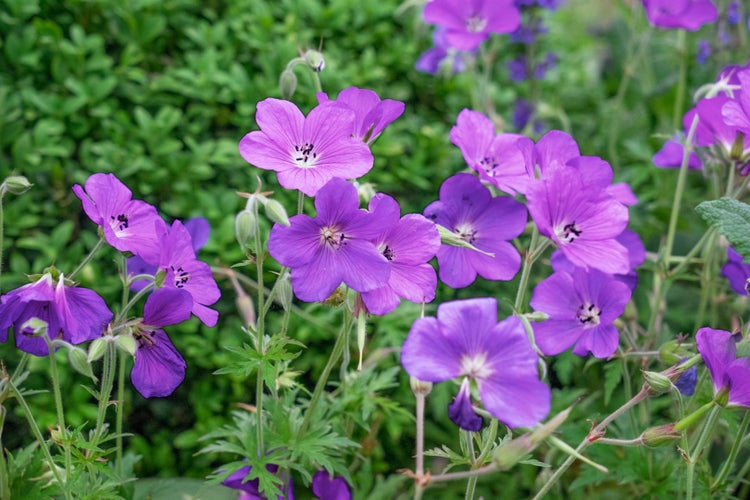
(442, 55)
(736, 271)
(371, 114)
(129, 225)
(334, 246)
(407, 243)
(584, 223)
(326, 487)
(186, 272)
(728, 372)
(72, 313)
(159, 368)
(685, 14)
(470, 22)
(466, 341)
(582, 307)
(306, 152)
(250, 489)
(468, 209)
(496, 157)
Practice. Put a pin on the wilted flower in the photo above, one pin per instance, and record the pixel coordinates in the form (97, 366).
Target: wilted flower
(466, 341)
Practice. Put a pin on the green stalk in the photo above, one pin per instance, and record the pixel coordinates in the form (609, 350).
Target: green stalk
(2, 235)
(471, 482)
(88, 258)
(536, 249)
(418, 488)
(260, 325)
(54, 375)
(110, 360)
(708, 427)
(681, 80)
(119, 412)
(721, 477)
(4, 479)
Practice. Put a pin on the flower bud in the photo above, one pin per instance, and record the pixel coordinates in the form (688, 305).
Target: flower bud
(420, 386)
(276, 212)
(657, 383)
(314, 60)
(97, 349)
(245, 306)
(284, 293)
(365, 190)
(512, 452)
(672, 352)
(244, 227)
(34, 327)
(659, 435)
(126, 343)
(738, 147)
(287, 83)
(16, 184)
(80, 362)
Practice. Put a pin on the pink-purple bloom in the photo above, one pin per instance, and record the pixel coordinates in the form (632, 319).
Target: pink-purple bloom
(128, 225)
(728, 372)
(335, 246)
(72, 314)
(306, 152)
(736, 272)
(582, 306)
(159, 368)
(468, 209)
(371, 114)
(407, 243)
(470, 22)
(684, 14)
(465, 341)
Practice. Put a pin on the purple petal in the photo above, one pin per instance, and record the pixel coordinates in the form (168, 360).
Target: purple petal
(601, 341)
(461, 411)
(670, 156)
(199, 230)
(427, 354)
(455, 268)
(330, 488)
(83, 313)
(554, 336)
(738, 374)
(555, 149)
(158, 367)
(718, 350)
(167, 306)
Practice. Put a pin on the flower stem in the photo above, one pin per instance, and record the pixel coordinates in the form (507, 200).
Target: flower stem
(338, 349)
(536, 248)
(88, 258)
(681, 80)
(108, 372)
(741, 431)
(2, 235)
(260, 326)
(120, 410)
(708, 427)
(418, 488)
(54, 375)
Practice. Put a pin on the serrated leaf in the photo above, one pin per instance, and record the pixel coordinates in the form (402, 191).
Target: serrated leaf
(612, 377)
(732, 219)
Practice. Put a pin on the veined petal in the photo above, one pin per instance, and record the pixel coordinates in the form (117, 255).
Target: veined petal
(158, 368)
(167, 306)
(428, 355)
(414, 283)
(554, 336)
(455, 268)
(601, 341)
(381, 300)
(282, 123)
(503, 266)
(462, 413)
(718, 350)
(83, 313)
(517, 402)
(295, 245)
(738, 374)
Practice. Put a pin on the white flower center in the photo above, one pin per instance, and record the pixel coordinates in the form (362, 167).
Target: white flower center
(475, 366)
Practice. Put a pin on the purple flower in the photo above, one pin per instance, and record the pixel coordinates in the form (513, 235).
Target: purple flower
(517, 68)
(522, 113)
(199, 230)
(186, 272)
(407, 243)
(466, 341)
(670, 155)
(468, 209)
(371, 115)
(72, 314)
(128, 225)
(442, 55)
(584, 223)
(734, 16)
(326, 487)
(685, 14)
(704, 52)
(334, 246)
(159, 367)
(497, 158)
(736, 112)
(469, 22)
(582, 306)
(688, 380)
(728, 372)
(306, 152)
(250, 490)
(736, 271)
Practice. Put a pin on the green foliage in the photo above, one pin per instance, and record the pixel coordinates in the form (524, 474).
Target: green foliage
(732, 219)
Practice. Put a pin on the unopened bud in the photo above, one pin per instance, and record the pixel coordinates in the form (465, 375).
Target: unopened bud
(672, 352)
(276, 212)
(126, 342)
(34, 327)
(657, 436)
(657, 383)
(512, 452)
(287, 83)
(244, 227)
(420, 386)
(287, 379)
(79, 361)
(97, 349)
(284, 293)
(247, 310)
(314, 60)
(16, 184)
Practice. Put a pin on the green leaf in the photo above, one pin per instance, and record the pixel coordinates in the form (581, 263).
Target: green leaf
(612, 377)
(732, 219)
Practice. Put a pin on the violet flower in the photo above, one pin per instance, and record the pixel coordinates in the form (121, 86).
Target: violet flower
(159, 368)
(371, 114)
(186, 272)
(497, 158)
(582, 306)
(326, 487)
(334, 246)
(470, 22)
(199, 230)
(250, 490)
(129, 225)
(736, 272)
(584, 223)
(685, 14)
(468, 209)
(407, 243)
(736, 112)
(688, 380)
(466, 341)
(442, 55)
(72, 314)
(306, 152)
(728, 372)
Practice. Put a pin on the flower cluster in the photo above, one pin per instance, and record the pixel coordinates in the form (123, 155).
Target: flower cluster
(722, 125)
(373, 251)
